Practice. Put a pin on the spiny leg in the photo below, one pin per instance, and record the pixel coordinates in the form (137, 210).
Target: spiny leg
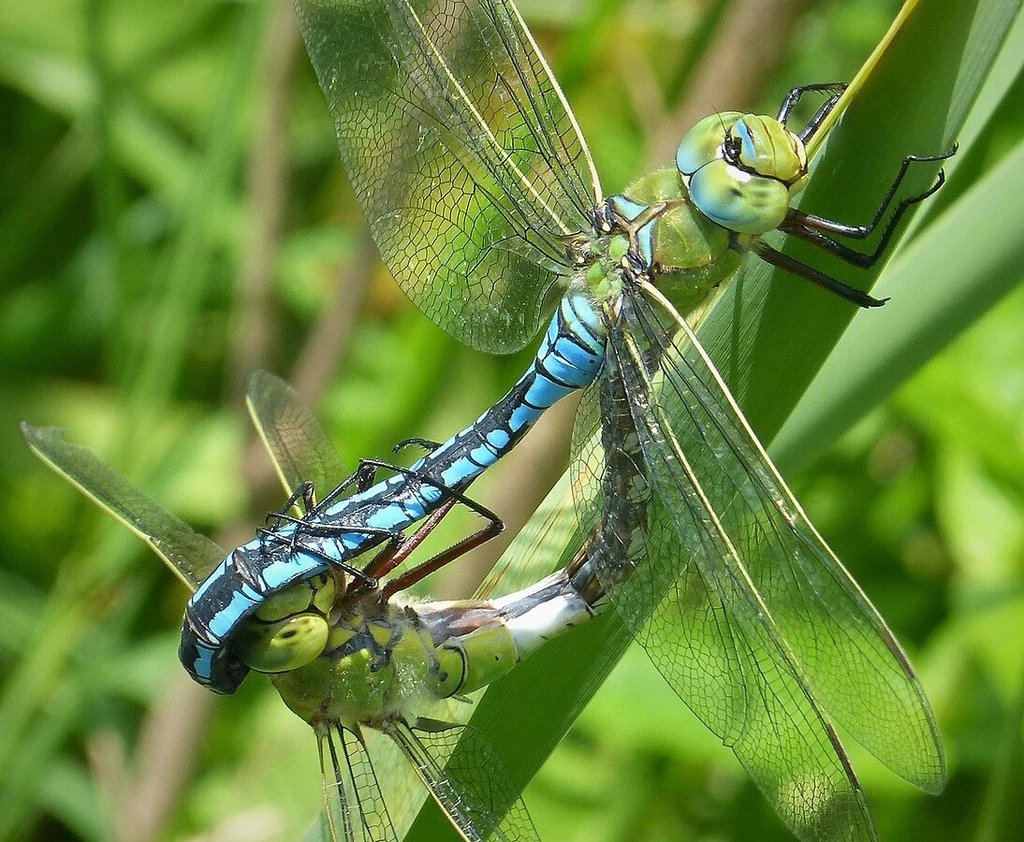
(366, 474)
(815, 276)
(399, 547)
(811, 126)
(428, 445)
(397, 551)
(446, 490)
(304, 492)
(809, 227)
(306, 529)
(362, 478)
(315, 529)
(794, 96)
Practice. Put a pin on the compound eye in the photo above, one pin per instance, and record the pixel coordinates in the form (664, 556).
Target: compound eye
(738, 200)
(763, 146)
(283, 645)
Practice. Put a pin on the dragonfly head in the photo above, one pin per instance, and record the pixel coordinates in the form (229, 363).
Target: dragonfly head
(290, 628)
(742, 170)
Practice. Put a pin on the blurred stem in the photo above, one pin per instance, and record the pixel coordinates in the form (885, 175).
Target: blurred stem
(316, 363)
(167, 751)
(83, 590)
(1002, 813)
(30, 216)
(38, 673)
(108, 191)
(325, 349)
(174, 729)
(38, 746)
(175, 303)
(267, 188)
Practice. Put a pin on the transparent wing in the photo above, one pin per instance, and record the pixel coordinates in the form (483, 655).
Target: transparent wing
(355, 809)
(403, 791)
(301, 449)
(190, 555)
(463, 153)
(468, 779)
(743, 607)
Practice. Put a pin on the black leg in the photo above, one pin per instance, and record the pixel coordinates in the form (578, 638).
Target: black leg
(419, 476)
(797, 218)
(812, 125)
(841, 250)
(399, 547)
(427, 444)
(793, 97)
(304, 492)
(802, 270)
(363, 478)
(294, 544)
(316, 529)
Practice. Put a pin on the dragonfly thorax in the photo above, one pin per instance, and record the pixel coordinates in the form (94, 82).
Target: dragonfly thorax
(377, 661)
(678, 248)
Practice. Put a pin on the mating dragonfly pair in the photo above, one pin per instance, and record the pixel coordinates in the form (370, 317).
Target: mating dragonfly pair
(484, 201)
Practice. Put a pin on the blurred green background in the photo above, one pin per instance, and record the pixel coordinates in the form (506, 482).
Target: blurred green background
(172, 215)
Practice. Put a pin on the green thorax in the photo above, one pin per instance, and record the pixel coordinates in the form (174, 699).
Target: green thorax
(688, 254)
(378, 659)
(381, 659)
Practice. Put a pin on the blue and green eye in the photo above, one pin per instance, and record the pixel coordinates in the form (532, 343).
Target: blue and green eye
(737, 200)
(741, 170)
(703, 143)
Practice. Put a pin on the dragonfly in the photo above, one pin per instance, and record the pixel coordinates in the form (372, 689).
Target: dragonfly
(348, 657)
(485, 204)
(334, 531)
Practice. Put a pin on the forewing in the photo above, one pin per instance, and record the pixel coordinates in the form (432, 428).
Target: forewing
(694, 619)
(190, 555)
(355, 809)
(301, 449)
(463, 153)
(468, 779)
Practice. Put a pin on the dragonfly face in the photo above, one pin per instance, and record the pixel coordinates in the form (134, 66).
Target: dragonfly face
(290, 628)
(742, 170)
(371, 659)
(687, 227)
